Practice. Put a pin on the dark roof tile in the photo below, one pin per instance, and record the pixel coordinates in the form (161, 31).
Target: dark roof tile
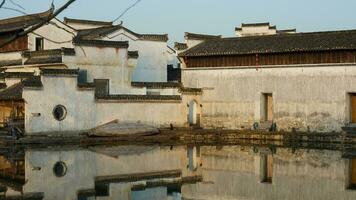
(13, 92)
(132, 54)
(280, 43)
(22, 22)
(180, 46)
(10, 62)
(83, 21)
(101, 43)
(46, 71)
(135, 98)
(156, 85)
(195, 36)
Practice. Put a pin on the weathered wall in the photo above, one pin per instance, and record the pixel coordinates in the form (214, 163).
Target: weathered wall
(85, 112)
(314, 98)
(56, 36)
(84, 165)
(153, 56)
(234, 173)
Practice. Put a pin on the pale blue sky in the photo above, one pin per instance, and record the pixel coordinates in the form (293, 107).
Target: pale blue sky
(207, 16)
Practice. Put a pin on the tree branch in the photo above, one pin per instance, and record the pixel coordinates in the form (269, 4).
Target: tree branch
(2, 3)
(35, 27)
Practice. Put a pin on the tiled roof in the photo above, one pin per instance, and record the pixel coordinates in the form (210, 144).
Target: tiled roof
(43, 60)
(132, 54)
(86, 85)
(180, 46)
(51, 52)
(100, 32)
(22, 22)
(10, 62)
(13, 92)
(17, 74)
(83, 21)
(156, 85)
(280, 43)
(195, 36)
(101, 43)
(46, 71)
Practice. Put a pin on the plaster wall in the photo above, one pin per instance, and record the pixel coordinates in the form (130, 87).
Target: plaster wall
(84, 112)
(304, 98)
(56, 36)
(153, 57)
(256, 30)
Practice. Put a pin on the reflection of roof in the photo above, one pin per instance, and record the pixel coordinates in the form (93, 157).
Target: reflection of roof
(10, 62)
(280, 43)
(83, 21)
(196, 36)
(156, 85)
(96, 33)
(22, 22)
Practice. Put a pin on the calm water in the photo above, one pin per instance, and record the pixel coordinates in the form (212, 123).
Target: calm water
(178, 172)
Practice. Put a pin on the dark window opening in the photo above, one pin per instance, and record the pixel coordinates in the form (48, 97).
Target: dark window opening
(60, 169)
(59, 112)
(39, 44)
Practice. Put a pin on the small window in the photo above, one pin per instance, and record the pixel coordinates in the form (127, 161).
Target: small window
(267, 168)
(39, 44)
(353, 173)
(59, 112)
(60, 169)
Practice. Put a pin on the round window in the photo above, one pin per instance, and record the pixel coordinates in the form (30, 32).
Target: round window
(60, 169)
(59, 112)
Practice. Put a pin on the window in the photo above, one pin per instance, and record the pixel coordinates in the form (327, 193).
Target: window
(60, 169)
(353, 173)
(39, 44)
(59, 112)
(267, 168)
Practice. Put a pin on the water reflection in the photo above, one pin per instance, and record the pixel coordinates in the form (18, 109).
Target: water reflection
(178, 172)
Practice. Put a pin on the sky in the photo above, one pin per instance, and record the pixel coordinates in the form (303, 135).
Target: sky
(220, 17)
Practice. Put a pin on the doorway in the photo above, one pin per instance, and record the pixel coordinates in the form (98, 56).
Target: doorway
(353, 108)
(267, 107)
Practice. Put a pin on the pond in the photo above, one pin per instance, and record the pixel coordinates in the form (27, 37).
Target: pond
(187, 172)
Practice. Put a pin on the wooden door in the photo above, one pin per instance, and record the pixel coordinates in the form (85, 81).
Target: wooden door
(269, 168)
(269, 107)
(353, 172)
(353, 108)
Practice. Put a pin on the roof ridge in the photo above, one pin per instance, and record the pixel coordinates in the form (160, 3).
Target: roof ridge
(95, 22)
(34, 16)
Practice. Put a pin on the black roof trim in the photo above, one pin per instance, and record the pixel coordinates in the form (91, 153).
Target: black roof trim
(101, 43)
(10, 62)
(17, 74)
(51, 52)
(46, 71)
(85, 21)
(201, 36)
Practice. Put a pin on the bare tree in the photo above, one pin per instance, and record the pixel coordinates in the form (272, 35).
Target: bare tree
(2, 3)
(35, 27)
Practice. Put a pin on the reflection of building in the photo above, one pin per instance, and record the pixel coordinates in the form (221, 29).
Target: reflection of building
(235, 172)
(124, 172)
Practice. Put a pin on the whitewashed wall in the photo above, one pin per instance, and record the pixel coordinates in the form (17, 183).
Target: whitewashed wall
(152, 61)
(314, 98)
(84, 112)
(56, 36)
